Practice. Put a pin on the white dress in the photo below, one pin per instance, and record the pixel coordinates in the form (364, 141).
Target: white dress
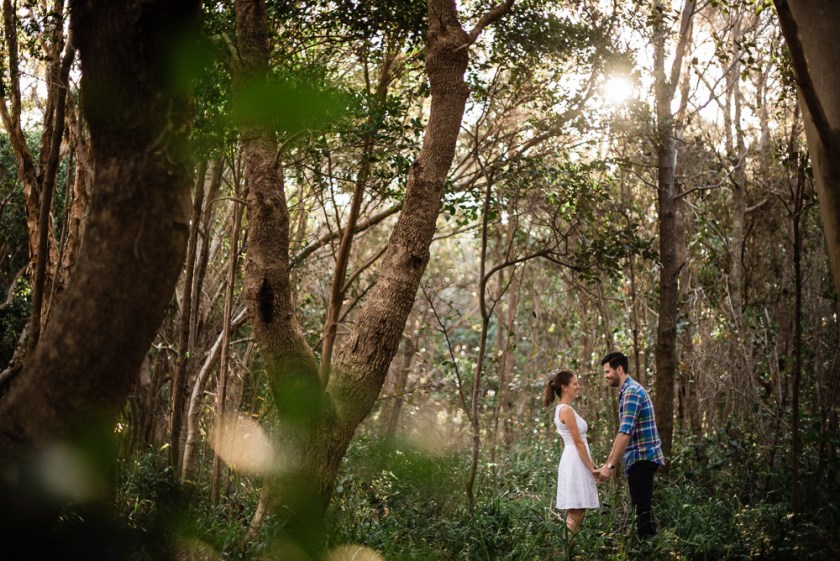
(576, 486)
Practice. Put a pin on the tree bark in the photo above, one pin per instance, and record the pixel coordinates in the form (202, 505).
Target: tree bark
(77, 380)
(221, 386)
(810, 30)
(314, 441)
(504, 401)
(267, 288)
(666, 148)
(391, 414)
(178, 385)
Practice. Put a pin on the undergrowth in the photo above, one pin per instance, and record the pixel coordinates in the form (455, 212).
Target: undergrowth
(410, 504)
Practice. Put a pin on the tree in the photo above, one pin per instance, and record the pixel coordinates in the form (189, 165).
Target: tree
(814, 56)
(667, 192)
(316, 424)
(78, 378)
(38, 175)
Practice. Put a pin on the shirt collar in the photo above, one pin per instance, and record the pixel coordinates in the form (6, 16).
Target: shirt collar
(625, 385)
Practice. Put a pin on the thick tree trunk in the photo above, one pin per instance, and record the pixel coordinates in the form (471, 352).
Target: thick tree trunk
(810, 30)
(363, 360)
(267, 287)
(78, 378)
(290, 362)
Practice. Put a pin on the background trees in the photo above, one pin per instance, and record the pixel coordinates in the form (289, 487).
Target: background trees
(402, 219)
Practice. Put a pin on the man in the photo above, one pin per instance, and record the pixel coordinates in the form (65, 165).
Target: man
(637, 440)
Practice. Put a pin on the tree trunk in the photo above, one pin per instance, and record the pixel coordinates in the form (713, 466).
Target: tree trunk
(82, 189)
(504, 401)
(206, 242)
(666, 332)
(78, 378)
(475, 399)
(391, 416)
(798, 225)
(810, 30)
(315, 437)
(178, 385)
(267, 287)
(221, 386)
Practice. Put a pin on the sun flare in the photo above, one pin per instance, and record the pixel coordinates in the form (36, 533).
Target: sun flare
(618, 90)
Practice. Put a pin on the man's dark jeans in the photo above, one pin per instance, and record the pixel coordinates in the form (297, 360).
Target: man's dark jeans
(640, 480)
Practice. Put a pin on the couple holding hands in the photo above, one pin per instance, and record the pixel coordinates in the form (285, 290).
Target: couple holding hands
(637, 442)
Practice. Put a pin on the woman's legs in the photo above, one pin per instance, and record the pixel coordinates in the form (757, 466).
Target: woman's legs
(574, 516)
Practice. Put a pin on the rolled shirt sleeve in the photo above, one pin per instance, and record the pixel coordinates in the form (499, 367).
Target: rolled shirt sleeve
(630, 413)
(637, 420)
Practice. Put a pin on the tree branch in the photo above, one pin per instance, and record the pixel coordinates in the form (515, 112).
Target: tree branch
(487, 19)
(330, 236)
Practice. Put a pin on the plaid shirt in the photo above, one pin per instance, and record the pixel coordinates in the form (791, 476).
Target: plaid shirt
(635, 411)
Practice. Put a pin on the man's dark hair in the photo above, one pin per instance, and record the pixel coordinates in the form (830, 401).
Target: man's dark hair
(616, 359)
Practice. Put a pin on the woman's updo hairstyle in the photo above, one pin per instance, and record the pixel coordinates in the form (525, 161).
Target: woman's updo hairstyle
(554, 386)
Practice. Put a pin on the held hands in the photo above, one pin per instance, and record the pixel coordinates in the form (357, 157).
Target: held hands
(602, 474)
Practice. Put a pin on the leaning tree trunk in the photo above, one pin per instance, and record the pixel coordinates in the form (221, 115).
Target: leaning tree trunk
(78, 378)
(315, 437)
(811, 29)
(267, 292)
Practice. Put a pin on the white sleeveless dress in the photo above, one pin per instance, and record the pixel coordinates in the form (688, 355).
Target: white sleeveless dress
(576, 486)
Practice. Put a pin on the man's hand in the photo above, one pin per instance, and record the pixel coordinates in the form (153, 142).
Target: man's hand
(605, 472)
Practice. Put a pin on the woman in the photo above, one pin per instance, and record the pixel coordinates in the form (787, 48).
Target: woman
(576, 485)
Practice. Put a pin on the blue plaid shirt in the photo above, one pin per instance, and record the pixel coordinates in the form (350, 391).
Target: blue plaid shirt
(635, 412)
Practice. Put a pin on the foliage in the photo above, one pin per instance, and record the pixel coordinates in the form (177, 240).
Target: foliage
(13, 318)
(392, 505)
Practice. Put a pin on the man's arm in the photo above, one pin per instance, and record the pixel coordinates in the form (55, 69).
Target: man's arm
(632, 409)
(622, 439)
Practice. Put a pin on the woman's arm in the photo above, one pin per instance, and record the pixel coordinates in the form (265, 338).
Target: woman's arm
(567, 415)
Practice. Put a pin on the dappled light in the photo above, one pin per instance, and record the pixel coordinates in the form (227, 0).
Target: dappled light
(420, 280)
(244, 446)
(353, 553)
(68, 474)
